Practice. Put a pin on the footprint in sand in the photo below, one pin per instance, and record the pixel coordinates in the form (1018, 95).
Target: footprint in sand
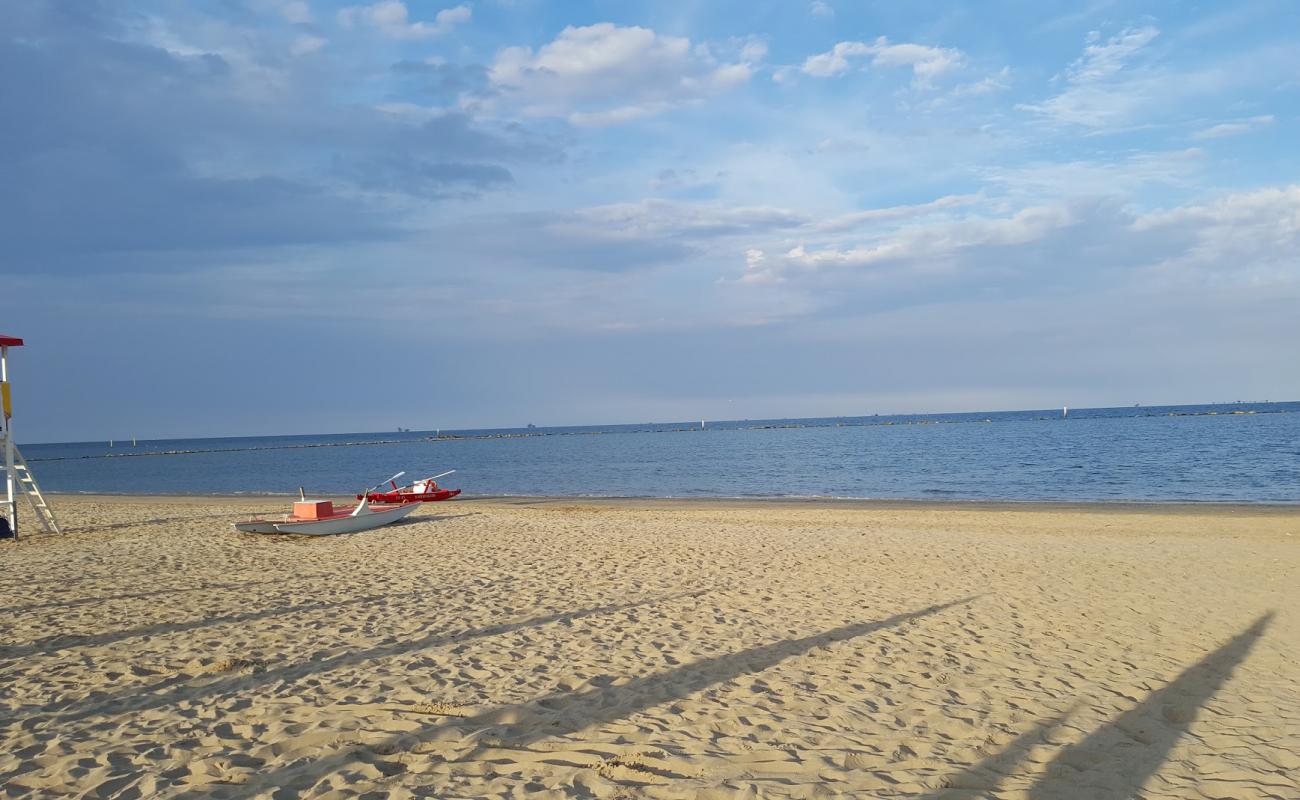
(241, 665)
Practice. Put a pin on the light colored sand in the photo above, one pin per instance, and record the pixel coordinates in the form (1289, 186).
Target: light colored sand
(666, 650)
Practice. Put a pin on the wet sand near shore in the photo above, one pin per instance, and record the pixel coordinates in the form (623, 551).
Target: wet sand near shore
(562, 647)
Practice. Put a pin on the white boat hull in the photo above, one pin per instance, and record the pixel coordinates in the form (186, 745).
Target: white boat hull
(256, 526)
(364, 521)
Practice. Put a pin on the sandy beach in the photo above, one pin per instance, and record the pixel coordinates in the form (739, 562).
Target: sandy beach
(663, 649)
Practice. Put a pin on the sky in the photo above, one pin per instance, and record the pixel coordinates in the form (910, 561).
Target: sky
(247, 217)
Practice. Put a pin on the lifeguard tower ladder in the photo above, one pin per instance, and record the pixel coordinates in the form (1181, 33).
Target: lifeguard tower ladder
(18, 478)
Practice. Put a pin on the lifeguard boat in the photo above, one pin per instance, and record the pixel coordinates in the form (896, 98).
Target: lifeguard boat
(425, 491)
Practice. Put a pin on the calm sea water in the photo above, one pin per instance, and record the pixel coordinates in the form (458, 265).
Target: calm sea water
(1241, 453)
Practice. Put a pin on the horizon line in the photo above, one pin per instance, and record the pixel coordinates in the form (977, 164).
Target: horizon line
(530, 426)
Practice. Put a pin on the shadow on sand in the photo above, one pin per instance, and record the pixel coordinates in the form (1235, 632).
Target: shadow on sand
(85, 601)
(1116, 760)
(413, 520)
(565, 713)
(182, 688)
(51, 644)
(140, 523)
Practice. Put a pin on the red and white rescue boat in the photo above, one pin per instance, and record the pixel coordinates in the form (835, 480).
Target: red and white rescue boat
(425, 491)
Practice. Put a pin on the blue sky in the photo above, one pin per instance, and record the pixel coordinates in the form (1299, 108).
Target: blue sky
(282, 216)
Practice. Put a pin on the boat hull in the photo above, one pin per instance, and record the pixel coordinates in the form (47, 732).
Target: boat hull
(410, 497)
(346, 524)
(256, 526)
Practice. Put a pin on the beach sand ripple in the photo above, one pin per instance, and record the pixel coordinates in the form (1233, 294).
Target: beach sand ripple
(657, 649)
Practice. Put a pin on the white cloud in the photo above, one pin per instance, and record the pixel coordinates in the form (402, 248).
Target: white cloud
(686, 179)
(753, 51)
(605, 74)
(1102, 61)
(678, 220)
(296, 12)
(1101, 89)
(993, 83)
(1242, 239)
(834, 61)
(857, 219)
(618, 115)
(720, 230)
(821, 9)
(392, 18)
(927, 63)
(253, 55)
(306, 44)
(1233, 128)
(1124, 82)
(928, 247)
(836, 146)
(686, 220)
(1247, 237)
(1097, 178)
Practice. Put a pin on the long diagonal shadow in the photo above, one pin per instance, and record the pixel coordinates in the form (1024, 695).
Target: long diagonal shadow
(416, 520)
(575, 712)
(182, 688)
(982, 779)
(565, 713)
(85, 601)
(51, 644)
(206, 587)
(1129, 749)
(1114, 761)
(143, 522)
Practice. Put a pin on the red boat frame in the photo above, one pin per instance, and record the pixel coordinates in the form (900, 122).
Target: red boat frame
(399, 497)
(405, 494)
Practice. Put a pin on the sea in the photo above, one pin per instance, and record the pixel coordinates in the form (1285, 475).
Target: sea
(1240, 453)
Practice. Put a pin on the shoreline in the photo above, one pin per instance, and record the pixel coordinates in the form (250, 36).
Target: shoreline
(1212, 507)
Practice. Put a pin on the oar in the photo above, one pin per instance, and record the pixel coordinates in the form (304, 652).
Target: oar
(440, 475)
(390, 480)
(365, 496)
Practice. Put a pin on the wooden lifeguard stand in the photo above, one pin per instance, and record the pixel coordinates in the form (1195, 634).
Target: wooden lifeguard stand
(18, 478)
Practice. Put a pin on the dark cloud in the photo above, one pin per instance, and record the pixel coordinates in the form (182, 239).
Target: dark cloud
(445, 82)
(102, 206)
(96, 146)
(444, 156)
(110, 144)
(455, 132)
(428, 179)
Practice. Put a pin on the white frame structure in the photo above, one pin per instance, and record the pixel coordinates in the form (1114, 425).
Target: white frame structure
(6, 431)
(17, 476)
